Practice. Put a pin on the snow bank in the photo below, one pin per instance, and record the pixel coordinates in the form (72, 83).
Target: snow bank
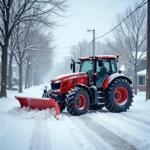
(28, 113)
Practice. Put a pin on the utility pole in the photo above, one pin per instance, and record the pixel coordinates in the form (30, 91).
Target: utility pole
(148, 52)
(80, 48)
(80, 51)
(74, 56)
(93, 40)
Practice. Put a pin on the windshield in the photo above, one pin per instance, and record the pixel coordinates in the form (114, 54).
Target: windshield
(86, 66)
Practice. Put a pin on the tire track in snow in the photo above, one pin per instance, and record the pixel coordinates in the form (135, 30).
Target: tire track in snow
(131, 134)
(40, 138)
(95, 140)
(139, 124)
(4, 121)
(115, 141)
(83, 143)
(136, 118)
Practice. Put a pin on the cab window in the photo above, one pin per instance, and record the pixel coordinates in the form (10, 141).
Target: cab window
(86, 66)
(106, 64)
(113, 66)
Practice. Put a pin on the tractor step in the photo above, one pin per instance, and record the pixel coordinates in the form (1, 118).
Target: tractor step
(100, 96)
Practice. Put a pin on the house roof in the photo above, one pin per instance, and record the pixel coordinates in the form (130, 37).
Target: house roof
(142, 72)
(141, 55)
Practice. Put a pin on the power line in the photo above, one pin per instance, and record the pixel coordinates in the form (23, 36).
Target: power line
(88, 45)
(92, 40)
(107, 10)
(109, 7)
(141, 5)
(72, 46)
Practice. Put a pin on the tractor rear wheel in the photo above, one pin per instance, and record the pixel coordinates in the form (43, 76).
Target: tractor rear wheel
(118, 96)
(77, 101)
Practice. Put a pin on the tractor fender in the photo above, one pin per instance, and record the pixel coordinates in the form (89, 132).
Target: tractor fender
(113, 77)
(87, 89)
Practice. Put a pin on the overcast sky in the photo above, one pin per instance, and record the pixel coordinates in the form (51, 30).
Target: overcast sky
(83, 15)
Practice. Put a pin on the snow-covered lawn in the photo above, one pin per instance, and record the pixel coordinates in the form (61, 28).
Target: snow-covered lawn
(25, 129)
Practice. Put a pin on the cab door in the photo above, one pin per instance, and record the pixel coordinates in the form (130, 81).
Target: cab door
(106, 66)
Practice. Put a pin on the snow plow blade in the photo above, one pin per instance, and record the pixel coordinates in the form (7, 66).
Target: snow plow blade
(39, 103)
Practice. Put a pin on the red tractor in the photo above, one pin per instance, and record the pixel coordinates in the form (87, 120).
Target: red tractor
(97, 84)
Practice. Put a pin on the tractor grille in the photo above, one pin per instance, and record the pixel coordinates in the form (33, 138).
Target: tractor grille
(55, 86)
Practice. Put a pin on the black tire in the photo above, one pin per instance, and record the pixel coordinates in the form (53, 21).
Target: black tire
(62, 106)
(73, 97)
(113, 102)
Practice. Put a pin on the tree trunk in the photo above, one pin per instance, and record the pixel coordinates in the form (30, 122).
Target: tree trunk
(26, 80)
(135, 79)
(20, 78)
(29, 76)
(4, 70)
(10, 71)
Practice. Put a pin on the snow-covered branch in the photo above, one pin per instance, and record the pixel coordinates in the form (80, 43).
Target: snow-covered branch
(130, 37)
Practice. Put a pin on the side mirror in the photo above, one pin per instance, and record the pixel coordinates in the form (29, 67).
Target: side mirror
(72, 65)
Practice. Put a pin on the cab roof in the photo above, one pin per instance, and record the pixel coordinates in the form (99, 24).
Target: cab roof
(99, 57)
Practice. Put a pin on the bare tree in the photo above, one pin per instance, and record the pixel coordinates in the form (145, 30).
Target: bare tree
(12, 46)
(130, 39)
(8, 21)
(43, 66)
(82, 46)
(28, 42)
(34, 59)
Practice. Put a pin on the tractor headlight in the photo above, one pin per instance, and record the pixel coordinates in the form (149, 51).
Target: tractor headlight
(58, 81)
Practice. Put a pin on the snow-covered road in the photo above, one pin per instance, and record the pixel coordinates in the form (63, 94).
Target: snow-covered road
(24, 129)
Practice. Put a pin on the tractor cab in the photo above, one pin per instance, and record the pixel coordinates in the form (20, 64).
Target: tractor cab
(98, 68)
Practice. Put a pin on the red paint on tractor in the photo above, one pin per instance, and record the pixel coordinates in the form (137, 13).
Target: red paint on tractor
(81, 102)
(106, 83)
(114, 76)
(99, 57)
(39, 103)
(121, 95)
(67, 76)
(69, 82)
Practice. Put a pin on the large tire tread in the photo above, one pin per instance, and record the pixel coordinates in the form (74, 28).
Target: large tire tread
(71, 106)
(110, 104)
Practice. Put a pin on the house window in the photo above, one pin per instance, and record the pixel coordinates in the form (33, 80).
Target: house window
(141, 80)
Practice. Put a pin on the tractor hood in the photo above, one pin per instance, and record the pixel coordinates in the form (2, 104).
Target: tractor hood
(65, 76)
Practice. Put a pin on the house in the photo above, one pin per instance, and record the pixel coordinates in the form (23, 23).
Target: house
(141, 80)
(141, 71)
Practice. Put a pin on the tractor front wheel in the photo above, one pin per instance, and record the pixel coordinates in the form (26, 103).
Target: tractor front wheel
(118, 96)
(77, 101)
